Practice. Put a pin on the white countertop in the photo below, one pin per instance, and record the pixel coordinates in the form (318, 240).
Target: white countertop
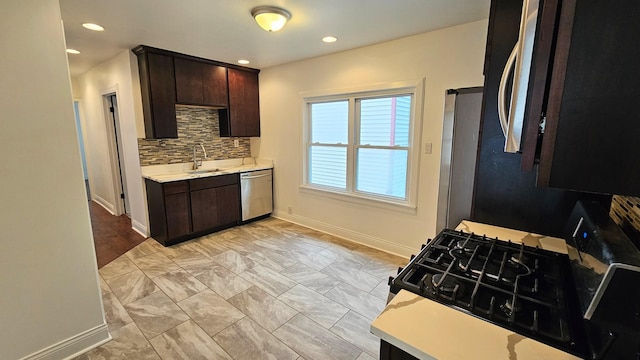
(427, 329)
(184, 171)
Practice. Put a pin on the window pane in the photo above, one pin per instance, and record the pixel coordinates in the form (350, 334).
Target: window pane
(382, 171)
(329, 122)
(385, 121)
(328, 166)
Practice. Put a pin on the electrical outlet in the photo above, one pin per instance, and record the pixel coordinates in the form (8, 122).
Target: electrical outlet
(236, 143)
(290, 209)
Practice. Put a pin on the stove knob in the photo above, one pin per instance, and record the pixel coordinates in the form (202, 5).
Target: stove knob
(400, 269)
(422, 246)
(390, 280)
(411, 257)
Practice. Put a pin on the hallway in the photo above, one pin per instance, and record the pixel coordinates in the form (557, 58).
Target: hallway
(112, 235)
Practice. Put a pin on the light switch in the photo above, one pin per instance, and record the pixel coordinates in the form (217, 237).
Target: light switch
(427, 148)
(236, 143)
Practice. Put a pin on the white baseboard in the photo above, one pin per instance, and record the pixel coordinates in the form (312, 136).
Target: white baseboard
(74, 346)
(346, 234)
(139, 228)
(104, 203)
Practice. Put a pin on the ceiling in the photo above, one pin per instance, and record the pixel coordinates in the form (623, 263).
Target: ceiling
(224, 30)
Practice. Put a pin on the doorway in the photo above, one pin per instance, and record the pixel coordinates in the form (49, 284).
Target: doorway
(461, 128)
(114, 136)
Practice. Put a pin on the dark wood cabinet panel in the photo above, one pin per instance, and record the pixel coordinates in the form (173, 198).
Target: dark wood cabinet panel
(538, 81)
(178, 216)
(157, 83)
(228, 204)
(391, 352)
(168, 78)
(198, 83)
(242, 119)
(215, 90)
(181, 210)
(591, 138)
(504, 195)
(169, 210)
(204, 209)
(584, 81)
(175, 187)
(189, 82)
(213, 181)
(215, 201)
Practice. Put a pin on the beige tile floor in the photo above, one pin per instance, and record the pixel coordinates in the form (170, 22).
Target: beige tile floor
(266, 290)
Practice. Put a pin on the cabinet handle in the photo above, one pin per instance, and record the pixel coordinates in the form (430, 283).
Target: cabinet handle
(502, 101)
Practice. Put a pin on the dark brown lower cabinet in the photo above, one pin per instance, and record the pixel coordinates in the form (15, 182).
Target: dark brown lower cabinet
(182, 210)
(228, 200)
(204, 209)
(390, 352)
(177, 212)
(169, 210)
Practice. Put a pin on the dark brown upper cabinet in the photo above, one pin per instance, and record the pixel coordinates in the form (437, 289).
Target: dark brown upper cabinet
(198, 83)
(242, 118)
(157, 83)
(168, 78)
(585, 85)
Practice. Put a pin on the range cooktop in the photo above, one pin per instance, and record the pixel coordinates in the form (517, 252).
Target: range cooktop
(521, 288)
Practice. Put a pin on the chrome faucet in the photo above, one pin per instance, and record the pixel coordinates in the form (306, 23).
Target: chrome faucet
(197, 163)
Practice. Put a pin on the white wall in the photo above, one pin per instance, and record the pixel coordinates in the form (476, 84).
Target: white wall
(50, 295)
(448, 59)
(119, 74)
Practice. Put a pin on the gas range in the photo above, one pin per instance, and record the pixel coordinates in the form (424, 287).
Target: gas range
(565, 301)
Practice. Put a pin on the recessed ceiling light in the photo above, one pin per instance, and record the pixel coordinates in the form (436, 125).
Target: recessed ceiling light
(94, 27)
(243, 62)
(329, 39)
(73, 51)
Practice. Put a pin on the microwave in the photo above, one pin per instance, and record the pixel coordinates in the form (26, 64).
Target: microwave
(511, 104)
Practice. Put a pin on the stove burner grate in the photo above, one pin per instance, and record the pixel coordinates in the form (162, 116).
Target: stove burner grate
(517, 287)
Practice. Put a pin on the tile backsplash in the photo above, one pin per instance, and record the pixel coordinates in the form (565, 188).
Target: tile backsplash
(625, 211)
(196, 125)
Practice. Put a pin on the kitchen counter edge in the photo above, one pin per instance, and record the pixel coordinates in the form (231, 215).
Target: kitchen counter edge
(170, 177)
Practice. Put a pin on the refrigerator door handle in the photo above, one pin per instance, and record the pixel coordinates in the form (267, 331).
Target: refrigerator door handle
(502, 101)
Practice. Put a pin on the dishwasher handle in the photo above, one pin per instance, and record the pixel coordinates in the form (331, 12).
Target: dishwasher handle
(247, 176)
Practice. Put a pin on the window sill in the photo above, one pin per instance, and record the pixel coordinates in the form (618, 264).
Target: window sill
(361, 200)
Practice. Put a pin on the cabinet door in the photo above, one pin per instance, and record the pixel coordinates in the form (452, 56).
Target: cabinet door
(244, 108)
(591, 137)
(204, 209)
(503, 194)
(228, 201)
(160, 114)
(214, 80)
(177, 212)
(189, 82)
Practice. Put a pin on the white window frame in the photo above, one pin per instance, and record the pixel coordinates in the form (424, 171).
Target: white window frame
(413, 88)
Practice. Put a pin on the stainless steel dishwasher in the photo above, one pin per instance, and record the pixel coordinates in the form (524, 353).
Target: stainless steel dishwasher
(256, 189)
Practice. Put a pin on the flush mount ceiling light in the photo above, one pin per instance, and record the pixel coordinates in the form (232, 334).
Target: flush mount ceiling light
(329, 39)
(243, 61)
(73, 51)
(94, 27)
(270, 18)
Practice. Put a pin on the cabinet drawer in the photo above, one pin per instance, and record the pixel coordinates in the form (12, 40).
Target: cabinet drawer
(176, 187)
(213, 181)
